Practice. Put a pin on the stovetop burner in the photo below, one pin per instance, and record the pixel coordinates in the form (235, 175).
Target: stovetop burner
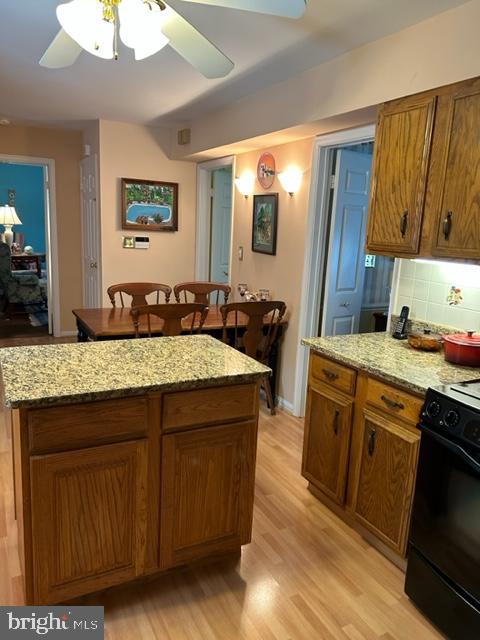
(470, 388)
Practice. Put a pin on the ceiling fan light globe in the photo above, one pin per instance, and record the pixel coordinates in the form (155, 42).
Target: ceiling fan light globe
(141, 27)
(83, 22)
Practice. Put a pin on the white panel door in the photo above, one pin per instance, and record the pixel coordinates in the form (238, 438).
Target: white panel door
(221, 225)
(92, 295)
(346, 255)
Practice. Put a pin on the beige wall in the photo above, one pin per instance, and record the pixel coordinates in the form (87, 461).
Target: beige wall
(437, 51)
(282, 274)
(65, 148)
(130, 151)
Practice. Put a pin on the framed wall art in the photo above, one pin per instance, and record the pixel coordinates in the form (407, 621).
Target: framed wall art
(148, 205)
(265, 223)
(266, 170)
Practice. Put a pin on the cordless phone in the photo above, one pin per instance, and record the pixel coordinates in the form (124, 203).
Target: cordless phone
(400, 332)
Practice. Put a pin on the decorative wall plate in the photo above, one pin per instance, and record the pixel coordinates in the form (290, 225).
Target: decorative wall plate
(266, 170)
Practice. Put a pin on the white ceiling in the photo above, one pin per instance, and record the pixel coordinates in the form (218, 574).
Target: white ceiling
(164, 89)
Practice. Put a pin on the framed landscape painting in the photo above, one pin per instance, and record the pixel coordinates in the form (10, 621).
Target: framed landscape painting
(265, 222)
(148, 205)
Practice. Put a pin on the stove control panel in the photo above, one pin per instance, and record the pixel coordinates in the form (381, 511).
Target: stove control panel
(444, 413)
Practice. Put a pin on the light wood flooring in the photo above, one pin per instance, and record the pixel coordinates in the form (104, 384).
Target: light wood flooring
(305, 576)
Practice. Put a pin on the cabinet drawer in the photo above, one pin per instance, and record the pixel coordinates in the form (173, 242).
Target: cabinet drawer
(394, 401)
(208, 406)
(82, 425)
(337, 375)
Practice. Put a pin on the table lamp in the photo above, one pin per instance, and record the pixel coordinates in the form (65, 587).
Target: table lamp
(8, 217)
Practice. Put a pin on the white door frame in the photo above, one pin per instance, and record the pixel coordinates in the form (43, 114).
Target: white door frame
(51, 237)
(98, 231)
(202, 248)
(314, 263)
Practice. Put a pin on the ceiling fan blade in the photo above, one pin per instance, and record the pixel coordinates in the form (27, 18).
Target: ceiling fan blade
(194, 47)
(284, 8)
(62, 52)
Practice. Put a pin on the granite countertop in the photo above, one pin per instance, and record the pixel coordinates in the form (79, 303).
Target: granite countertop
(65, 373)
(392, 360)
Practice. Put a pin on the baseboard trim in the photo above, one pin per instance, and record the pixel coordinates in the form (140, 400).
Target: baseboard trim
(66, 334)
(285, 405)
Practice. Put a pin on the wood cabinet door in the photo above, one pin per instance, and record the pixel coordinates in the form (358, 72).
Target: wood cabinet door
(208, 480)
(328, 424)
(88, 519)
(384, 491)
(401, 158)
(455, 185)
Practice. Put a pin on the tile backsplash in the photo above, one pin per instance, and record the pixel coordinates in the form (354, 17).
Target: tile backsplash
(440, 292)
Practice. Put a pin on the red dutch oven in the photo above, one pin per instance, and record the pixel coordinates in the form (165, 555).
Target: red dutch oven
(463, 349)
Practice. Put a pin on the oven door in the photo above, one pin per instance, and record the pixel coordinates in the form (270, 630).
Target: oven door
(445, 525)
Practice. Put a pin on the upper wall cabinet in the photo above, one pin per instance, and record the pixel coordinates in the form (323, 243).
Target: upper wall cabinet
(402, 151)
(425, 197)
(454, 198)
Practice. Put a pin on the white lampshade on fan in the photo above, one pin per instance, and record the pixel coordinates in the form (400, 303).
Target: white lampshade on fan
(141, 27)
(8, 217)
(83, 21)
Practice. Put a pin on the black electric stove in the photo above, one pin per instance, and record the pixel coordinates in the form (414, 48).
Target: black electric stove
(443, 573)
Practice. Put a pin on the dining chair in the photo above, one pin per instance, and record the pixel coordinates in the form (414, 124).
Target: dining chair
(172, 316)
(139, 292)
(201, 291)
(257, 337)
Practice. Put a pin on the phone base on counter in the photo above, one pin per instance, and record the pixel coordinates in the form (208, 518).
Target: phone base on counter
(400, 336)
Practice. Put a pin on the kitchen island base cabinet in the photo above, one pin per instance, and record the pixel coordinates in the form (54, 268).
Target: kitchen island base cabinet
(91, 516)
(207, 492)
(88, 519)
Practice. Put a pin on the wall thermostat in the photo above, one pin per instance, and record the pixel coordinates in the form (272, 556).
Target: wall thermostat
(142, 242)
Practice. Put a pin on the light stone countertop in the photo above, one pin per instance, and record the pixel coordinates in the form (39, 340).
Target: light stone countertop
(392, 360)
(66, 373)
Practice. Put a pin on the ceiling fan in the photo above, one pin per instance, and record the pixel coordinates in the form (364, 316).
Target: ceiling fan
(147, 26)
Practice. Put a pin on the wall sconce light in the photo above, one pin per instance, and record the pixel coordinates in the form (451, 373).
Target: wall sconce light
(245, 183)
(291, 179)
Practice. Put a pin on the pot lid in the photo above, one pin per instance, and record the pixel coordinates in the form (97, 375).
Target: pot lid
(468, 339)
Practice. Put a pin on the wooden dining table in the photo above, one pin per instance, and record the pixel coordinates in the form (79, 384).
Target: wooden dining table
(115, 323)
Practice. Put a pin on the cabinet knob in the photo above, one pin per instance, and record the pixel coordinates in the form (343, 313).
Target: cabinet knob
(404, 223)
(392, 404)
(335, 421)
(331, 375)
(447, 225)
(371, 441)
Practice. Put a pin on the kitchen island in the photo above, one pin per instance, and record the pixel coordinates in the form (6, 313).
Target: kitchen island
(131, 457)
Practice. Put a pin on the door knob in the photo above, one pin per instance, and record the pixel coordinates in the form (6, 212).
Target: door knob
(345, 304)
(93, 265)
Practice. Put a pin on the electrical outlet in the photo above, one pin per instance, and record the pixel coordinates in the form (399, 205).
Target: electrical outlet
(240, 253)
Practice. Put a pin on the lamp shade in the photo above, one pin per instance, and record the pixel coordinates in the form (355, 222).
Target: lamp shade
(83, 21)
(8, 215)
(245, 183)
(141, 27)
(291, 179)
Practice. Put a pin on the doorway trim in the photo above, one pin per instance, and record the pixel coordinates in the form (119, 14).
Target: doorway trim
(202, 242)
(313, 266)
(51, 237)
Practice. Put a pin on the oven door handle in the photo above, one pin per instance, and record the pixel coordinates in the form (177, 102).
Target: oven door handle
(453, 447)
